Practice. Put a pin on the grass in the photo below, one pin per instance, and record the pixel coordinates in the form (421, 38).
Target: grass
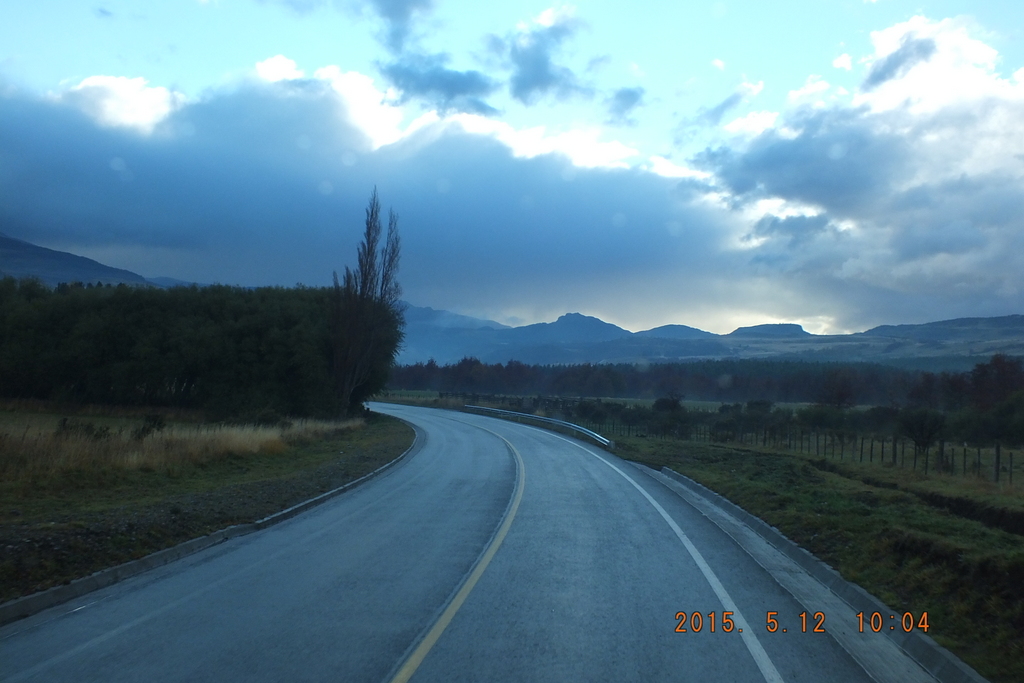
(880, 528)
(79, 446)
(72, 503)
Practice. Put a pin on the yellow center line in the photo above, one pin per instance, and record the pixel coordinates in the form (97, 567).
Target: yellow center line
(416, 658)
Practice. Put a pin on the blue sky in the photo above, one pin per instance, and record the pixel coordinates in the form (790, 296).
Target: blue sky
(837, 164)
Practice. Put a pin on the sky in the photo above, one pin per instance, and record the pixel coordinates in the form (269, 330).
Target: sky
(839, 164)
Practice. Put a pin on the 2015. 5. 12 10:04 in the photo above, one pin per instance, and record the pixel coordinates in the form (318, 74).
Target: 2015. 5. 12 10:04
(696, 622)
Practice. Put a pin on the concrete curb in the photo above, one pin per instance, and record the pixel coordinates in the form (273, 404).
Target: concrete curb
(933, 658)
(28, 605)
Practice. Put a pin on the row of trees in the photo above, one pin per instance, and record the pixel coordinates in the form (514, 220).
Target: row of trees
(835, 385)
(724, 381)
(228, 351)
(989, 402)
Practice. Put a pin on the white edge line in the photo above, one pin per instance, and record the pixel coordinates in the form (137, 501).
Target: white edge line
(764, 663)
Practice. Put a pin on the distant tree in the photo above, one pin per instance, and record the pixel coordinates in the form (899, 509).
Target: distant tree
(922, 426)
(668, 403)
(366, 317)
(837, 391)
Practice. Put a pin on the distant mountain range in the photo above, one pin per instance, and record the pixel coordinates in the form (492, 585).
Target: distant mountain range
(574, 338)
(447, 337)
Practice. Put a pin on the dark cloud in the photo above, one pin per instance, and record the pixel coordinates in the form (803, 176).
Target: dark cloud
(912, 51)
(893, 229)
(837, 160)
(530, 54)
(267, 185)
(622, 102)
(708, 116)
(103, 13)
(713, 116)
(796, 229)
(398, 15)
(426, 78)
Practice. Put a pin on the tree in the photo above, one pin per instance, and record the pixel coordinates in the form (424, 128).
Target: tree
(366, 315)
(922, 426)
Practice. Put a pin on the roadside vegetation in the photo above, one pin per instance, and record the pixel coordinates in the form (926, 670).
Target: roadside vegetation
(103, 495)
(916, 541)
(136, 418)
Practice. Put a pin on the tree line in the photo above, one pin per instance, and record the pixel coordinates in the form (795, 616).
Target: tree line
(230, 352)
(725, 381)
(984, 405)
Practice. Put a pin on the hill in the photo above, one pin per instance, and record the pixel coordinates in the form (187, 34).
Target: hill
(21, 259)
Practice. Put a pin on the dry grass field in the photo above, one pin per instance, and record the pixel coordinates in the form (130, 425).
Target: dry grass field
(90, 490)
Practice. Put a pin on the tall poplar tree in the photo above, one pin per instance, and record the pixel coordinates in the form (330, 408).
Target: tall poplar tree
(366, 315)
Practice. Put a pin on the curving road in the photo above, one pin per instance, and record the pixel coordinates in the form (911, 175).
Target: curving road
(493, 552)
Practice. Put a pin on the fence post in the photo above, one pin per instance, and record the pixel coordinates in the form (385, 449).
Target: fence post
(871, 453)
(965, 460)
(862, 449)
(998, 454)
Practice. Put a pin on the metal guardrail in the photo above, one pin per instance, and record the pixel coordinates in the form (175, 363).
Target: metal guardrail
(607, 443)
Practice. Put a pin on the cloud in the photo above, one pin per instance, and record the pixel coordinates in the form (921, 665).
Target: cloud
(811, 90)
(120, 101)
(843, 61)
(621, 103)
(911, 52)
(398, 15)
(904, 203)
(961, 69)
(278, 68)
(917, 209)
(530, 54)
(708, 117)
(754, 123)
(426, 78)
(266, 184)
(718, 64)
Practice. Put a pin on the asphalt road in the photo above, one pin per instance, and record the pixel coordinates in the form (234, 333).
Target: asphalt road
(494, 552)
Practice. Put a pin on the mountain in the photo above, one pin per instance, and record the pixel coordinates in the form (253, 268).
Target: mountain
(571, 328)
(963, 329)
(676, 332)
(22, 259)
(770, 331)
(424, 316)
(573, 338)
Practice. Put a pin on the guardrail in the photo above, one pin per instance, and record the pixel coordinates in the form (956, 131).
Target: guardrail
(607, 443)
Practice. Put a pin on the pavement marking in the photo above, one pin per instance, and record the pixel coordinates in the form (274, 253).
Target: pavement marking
(414, 660)
(764, 663)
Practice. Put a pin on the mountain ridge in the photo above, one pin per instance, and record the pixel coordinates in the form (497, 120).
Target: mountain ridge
(446, 337)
